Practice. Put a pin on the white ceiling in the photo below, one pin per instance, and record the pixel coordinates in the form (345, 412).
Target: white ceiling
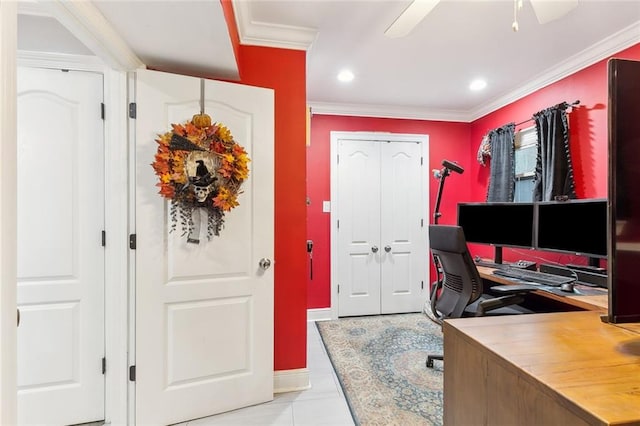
(423, 75)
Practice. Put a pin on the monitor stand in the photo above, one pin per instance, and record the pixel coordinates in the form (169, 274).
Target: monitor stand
(497, 255)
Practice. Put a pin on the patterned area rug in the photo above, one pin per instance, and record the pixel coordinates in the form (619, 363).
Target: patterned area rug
(380, 362)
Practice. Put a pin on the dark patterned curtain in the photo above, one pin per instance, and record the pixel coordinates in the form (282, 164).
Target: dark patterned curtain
(502, 176)
(554, 172)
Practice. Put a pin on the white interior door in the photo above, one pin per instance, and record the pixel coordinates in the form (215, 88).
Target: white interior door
(204, 312)
(381, 239)
(359, 255)
(60, 253)
(402, 228)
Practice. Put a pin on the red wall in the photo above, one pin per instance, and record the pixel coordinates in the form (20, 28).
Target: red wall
(284, 71)
(588, 133)
(446, 141)
(459, 142)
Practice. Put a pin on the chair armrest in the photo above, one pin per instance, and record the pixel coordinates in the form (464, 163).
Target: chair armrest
(514, 288)
(498, 302)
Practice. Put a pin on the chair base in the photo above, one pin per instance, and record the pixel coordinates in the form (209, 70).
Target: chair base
(431, 358)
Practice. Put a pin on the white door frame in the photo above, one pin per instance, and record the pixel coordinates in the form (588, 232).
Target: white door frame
(116, 221)
(368, 136)
(8, 212)
(85, 22)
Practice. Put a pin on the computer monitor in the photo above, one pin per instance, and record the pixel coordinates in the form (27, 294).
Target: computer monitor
(498, 224)
(624, 214)
(574, 226)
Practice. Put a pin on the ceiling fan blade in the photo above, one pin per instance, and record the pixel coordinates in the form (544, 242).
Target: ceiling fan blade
(410, 17)
(547, 11)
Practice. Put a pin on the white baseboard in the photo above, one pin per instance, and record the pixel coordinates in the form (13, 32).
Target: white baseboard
(291, 380)
(322, 314)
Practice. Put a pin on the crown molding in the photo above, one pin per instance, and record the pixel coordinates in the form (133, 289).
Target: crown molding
(256, 33)
(623, 39)
(386, 111)
(603, 49)
(87, 24)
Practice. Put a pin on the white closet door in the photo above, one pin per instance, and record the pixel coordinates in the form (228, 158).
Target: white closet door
(401, 232)
(359, 227)
(382, 254)
(60, 253)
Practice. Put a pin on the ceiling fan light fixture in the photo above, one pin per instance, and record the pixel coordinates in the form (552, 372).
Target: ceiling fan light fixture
(517, 5)
(410, 17)
(547, 11)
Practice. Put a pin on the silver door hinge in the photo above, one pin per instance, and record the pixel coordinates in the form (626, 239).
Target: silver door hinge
(421, 160)
(422, 223)
(132, 373)
(338, 288)
(132, 241)
(102, 110)
(338, 158)
(133, 110)
(338, 223)
(104, 238)
(104, 365)
(422, 285)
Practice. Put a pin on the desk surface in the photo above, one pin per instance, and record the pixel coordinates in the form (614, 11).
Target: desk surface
(590, 368)
(590, 303)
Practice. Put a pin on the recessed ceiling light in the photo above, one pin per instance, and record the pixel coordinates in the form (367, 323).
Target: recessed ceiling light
(345, 76)
(478, 84)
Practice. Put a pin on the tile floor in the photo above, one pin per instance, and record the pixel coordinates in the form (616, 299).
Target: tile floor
(323, 404)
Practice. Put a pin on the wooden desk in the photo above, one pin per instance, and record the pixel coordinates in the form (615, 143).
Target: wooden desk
(590, 303)
(565, 368)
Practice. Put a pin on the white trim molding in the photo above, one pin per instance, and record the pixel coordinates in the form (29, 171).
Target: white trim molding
(256, 33)
(8, 213)
(60, 60)
(87, 24)
(387, 111)
(291, 380)
(320, 314)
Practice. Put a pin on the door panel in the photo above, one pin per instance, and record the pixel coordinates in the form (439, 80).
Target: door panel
(60, 256)
(403, 268)
(204, 312)
(359, 201)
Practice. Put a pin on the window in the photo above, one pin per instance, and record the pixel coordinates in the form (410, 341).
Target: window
(526, 142)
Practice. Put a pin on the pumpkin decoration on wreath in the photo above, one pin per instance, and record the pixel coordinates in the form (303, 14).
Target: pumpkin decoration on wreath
(201, 169)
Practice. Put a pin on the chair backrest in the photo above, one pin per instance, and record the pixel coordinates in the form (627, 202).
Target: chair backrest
(462, 283)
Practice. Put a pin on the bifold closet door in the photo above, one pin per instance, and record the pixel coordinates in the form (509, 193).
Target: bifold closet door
(359, 253)
(404, 260)
(381, 259)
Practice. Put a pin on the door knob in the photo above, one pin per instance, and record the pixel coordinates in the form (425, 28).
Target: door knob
(387, 248)
(374, 249)
(265, 263)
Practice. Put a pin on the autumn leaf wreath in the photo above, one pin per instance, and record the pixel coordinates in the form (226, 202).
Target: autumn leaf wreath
(200, 168)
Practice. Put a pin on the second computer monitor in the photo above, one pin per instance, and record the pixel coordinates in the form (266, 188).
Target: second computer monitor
(575, 227)
(499, 224)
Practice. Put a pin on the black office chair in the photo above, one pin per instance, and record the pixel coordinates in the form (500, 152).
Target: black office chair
(461, 285)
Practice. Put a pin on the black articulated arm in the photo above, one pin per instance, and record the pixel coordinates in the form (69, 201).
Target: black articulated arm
(514, 295)
(498, 302)
(514, 288)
